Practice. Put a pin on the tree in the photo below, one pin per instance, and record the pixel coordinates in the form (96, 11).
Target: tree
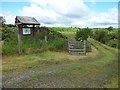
(83, 34)
(110, 28)
(113, 34)
(101, 35)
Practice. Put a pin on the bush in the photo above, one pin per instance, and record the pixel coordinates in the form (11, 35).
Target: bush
(113, 43)
(113, 34)
(110, 28)
(101, 35)
(49, 32)
(108, 37)
(55, 35)
(83, 34)
(8, 32)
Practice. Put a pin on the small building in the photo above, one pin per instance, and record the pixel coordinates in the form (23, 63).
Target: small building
(26, 25)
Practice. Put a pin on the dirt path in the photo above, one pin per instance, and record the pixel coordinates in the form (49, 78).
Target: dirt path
(82, 73)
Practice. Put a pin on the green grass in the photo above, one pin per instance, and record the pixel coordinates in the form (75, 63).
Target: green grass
(112, 82)
(33, 61)
(103, 61)
(88, 70)
(30, 46)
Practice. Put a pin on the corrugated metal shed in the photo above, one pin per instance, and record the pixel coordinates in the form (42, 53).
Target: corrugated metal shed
(26, 20)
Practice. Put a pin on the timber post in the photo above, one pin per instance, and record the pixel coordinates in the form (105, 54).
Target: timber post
(19, 42)
(25, 27)
(84, 46)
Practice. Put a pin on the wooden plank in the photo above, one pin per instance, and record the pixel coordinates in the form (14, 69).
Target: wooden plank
(76, 49)
(77, 46)
(84, 46)
(45, 38)
(77, 52)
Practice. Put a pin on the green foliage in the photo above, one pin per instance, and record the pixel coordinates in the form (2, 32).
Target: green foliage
(49, 32)
(110, 28)
(83, 34)
(108, 37)
(30, 44)
(113, 34)
(9, 49)
(8, 32)
(11, 25)
(56, 38)
(55, 35)
(113, 43)
(101, 35)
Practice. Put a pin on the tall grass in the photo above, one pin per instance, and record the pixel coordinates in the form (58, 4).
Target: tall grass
(31, 45)
(57, 45)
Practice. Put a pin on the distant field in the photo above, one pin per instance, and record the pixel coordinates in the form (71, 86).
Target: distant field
(64, 29)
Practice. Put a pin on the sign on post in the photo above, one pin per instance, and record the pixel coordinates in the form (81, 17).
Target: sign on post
(26, 27)
(26, 31)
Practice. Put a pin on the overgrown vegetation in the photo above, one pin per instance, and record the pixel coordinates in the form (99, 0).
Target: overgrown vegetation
(60, 69)
(106, 36)
(83, 34)
(56, 38)
(55, 41)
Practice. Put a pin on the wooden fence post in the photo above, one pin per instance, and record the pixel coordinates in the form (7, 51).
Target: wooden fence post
(84, 46)
(68, 46)
(19, 42)
(45, 37)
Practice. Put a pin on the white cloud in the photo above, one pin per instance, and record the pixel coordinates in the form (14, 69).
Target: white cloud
(44, 15)
(59, 12)
(94, 19)
(111, 16)
(10, 19)
(67, 13)
(64, 7)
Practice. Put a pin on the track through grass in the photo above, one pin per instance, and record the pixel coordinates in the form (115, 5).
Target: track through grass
(59, 69)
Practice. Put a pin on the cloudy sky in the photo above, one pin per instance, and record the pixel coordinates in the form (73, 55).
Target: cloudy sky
(57, 13)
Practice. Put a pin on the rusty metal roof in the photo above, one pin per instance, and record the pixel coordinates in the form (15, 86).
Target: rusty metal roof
(26, 20)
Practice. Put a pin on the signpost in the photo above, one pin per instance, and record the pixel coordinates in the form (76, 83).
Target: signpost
(26, 27)
(19, 42)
